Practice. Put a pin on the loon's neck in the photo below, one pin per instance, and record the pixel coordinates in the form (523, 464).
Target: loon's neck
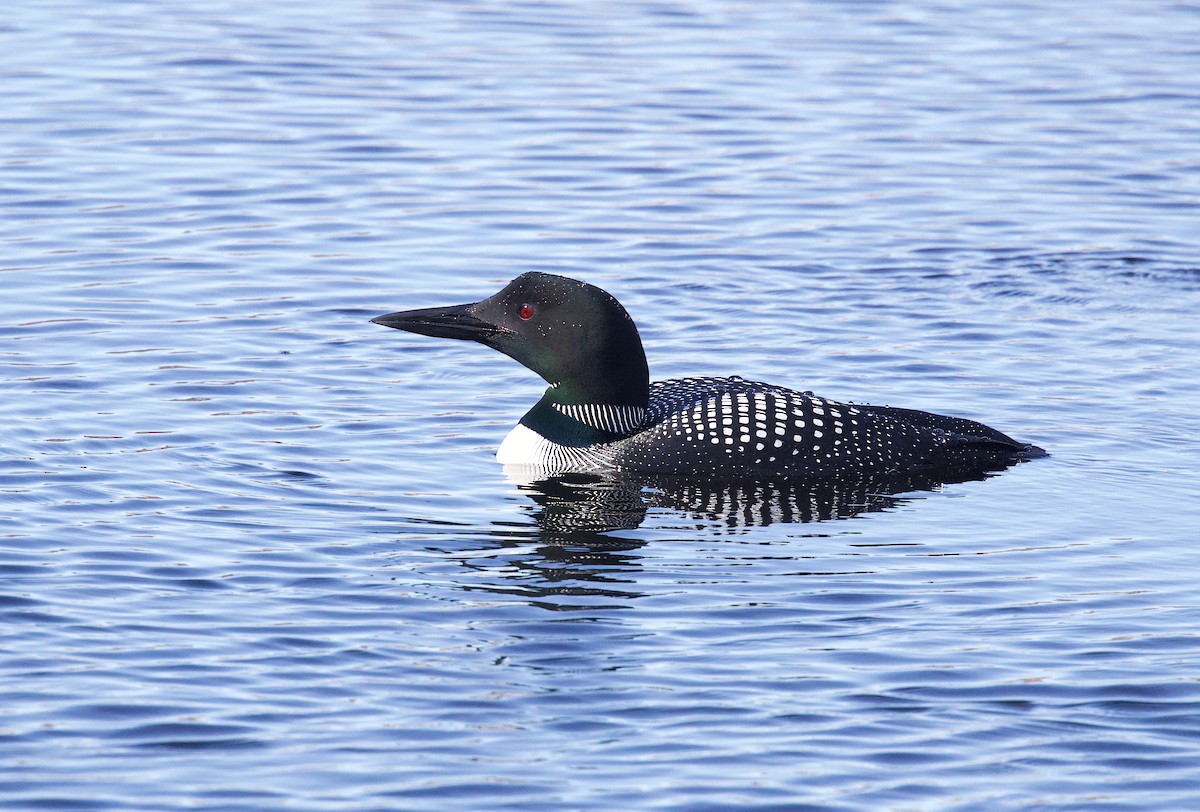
(598, 397)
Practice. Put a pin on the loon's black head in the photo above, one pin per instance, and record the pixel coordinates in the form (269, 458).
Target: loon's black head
(575, 335)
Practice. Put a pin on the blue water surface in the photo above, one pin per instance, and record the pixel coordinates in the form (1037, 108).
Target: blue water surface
(257, 554)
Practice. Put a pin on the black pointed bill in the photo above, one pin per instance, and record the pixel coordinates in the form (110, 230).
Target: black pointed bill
(456, 321)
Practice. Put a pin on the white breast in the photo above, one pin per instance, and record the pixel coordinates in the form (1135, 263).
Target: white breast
(523, 446)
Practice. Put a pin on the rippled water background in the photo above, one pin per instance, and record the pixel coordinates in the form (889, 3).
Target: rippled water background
(256, 552)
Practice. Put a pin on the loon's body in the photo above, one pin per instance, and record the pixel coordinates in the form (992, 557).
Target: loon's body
(601, 413)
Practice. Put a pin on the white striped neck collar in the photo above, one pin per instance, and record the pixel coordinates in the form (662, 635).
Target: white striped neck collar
(604, 416)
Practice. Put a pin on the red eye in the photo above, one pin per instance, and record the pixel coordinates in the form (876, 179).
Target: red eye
(526, 312)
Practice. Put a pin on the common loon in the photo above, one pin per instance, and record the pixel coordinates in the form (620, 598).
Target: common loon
(602, 414)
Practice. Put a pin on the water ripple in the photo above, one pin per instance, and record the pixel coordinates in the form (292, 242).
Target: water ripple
(257, 554)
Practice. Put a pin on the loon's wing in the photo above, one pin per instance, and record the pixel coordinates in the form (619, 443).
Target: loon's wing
(959, 432)
(960, 429)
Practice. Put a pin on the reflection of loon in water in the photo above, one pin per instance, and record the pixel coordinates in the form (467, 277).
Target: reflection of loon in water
(569, 504)
(602, 415)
